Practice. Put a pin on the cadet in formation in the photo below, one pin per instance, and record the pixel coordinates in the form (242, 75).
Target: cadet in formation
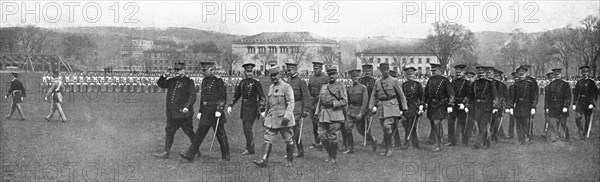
(314, 85)
(331, 108)
(557, 99)
(302, 104)
(585, 95)
(439, 96)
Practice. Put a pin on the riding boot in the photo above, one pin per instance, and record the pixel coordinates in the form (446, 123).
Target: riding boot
(350, 141)
(266, 152)
(289, 150)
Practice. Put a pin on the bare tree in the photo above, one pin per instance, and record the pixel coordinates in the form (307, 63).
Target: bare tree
(230, 59)
(299, 55)
(514, 52)
(446, 38)
(264, 58)
(32, 39)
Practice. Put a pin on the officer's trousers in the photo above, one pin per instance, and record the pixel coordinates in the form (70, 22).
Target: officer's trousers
(173, 124)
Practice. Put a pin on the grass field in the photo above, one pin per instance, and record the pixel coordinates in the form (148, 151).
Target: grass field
(112, 137)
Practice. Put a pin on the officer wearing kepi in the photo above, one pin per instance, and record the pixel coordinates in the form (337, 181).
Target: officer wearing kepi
(301, 101)
(413, 90)
(462, 89)
(496, 127)
(213, 97)
(181, 97)
(388, 102)
(331, 106)
(557, 99)
(369, 82)
(484, 99)
(511, 125)
(357, 105)
(314, 85)
(279, 117)
(585, 95)
(523, 103)
(251, 92)
(439, 96)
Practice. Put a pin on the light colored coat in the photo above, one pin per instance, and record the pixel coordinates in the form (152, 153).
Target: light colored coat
(280, 104)
(328, 115)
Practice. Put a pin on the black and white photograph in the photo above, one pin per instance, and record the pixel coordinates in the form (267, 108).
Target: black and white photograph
(424, 90)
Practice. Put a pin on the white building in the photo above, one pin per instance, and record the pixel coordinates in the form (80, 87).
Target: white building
(398, 58)
(278, 48)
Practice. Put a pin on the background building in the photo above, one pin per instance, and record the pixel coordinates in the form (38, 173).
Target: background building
(398, 57)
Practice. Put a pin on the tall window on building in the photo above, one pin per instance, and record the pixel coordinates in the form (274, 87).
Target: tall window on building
(395, 60)
(420, 69)
(386, 60)
(378, 60)
(295, 49)
(262, 49)
(251, 50)
(283, 49)
(272, 49)
(370, 60)
(412, 60)
(427, 60)
(403, 60)
(420, 61)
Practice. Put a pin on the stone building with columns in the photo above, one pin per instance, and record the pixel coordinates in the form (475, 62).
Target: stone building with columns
(398, 57)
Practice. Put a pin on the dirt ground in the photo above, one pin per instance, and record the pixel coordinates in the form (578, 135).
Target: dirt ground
(112, 137)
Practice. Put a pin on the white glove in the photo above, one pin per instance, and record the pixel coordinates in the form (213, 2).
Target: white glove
(506, 110)
(574, 107)
(5, 97)
(495, 111)
(229, 110)
(185, 110)
(262, 114)
(421, 107)
(461, 106)
(198, 116)
(547, 110)
(466, 109)
(511, 112)
(217, 114)
(532, 111)
(564, 109)
(420, 111)
(591, 106)
(449, 109)
(374, 109)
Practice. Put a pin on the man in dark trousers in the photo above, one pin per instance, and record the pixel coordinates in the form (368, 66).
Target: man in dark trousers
(496, 127)
(523, 104)
(251, 92)
(314, 85)
(180, 100)
(557, 100)
(512, 119)
(484, 99)
(18, 92)
(461, 87)
(302, 104)
(524, 71)
(585, 95)
(413, 91)
(357, 105)
(213, 97)
(368, 81)
(439, 96)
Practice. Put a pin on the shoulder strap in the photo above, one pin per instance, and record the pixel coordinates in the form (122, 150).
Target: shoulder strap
(381, 85)
(332, 94)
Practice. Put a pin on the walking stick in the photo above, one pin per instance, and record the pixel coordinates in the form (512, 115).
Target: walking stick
(590, 125)
(500, 125)
(466, 124)
(300, 135)
(530, 127)
(215, 135)
(412, 127)
(367, 127)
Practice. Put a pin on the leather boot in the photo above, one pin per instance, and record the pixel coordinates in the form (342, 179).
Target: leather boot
(387, 140)
(405, 146)
(437, 141)
(327, 147)
(350, 141)
(300, 150)
(289, 150)
(266, 152)
(225, 156)
(164, 155)
(334, 150)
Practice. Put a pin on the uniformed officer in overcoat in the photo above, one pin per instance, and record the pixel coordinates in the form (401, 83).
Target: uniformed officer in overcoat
(413, 91)
(316, 81)
(388, 102)
(512, 119)
(251, 92)
(357, 105)
(368, 81)
(439, 96)
(212, 103)
(457, 121)
(585, 95)
(484, 99)
(396, 141)
(18, 93)
(523, 104)
(302, 103)
(557, 100)
(497, 130)
(279, 117)
(180, 101)
(331, 109)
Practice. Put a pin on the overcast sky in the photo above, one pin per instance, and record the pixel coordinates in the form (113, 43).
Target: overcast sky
(410, 19)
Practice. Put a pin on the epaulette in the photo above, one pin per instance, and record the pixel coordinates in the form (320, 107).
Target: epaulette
(255, 79)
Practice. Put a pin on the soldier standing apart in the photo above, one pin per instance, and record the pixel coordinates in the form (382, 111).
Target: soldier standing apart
(439, 96)
(180, 100)
(279, 118)
(457, 121)
(585, 95)
(55, 92)
(522, 105)
(511, 125)
(357, 105)
(557, 99)
(301, 101)
(18, 92)
(212, 102)
(314, 85)
(483, 96)
(331, 107)
(413, 90)
(369, 82)
(251, 91)
(388, 102)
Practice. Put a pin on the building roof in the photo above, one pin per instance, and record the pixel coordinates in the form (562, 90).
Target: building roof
(284, 37)
(396, 50)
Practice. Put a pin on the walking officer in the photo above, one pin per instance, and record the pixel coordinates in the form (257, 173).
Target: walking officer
(496, 126)
(439, 96)
(523, 103)
(457, 121)
(484, 99)
(314, 85)
(368, 81)
(512, 120)
(279, 117)
(18, 92)
(557, 100)
(181, 97)
(388, 102)
(413, 91)
(251, 92)
(331, 108)
(212, 102)
(302, 104)
(585, 95)
(357, 105)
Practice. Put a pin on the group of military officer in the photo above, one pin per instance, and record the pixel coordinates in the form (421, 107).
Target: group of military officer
(471, 103)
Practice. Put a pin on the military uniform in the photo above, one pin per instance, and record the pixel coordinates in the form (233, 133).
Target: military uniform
(369, 82)
(357, 105)
(557, 100)
(413, 91)
(314, 85)
(251, 92)
(331, 110)
(180, 96)
(524, 100)
(497, 130)
(509, 96)
(439, 95)
(55, 92)
(390, 101)
(302, 105)
(18, 93)
(585, 95)
(457, 121)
